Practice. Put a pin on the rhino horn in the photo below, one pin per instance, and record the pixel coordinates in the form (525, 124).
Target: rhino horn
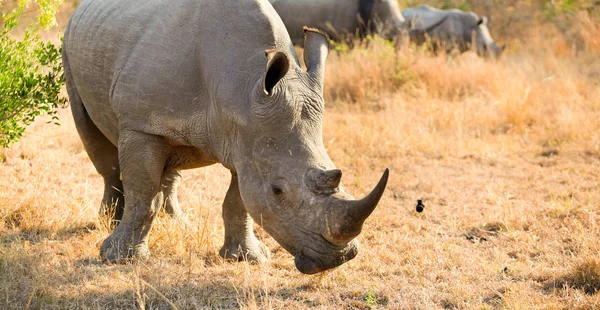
(344, 218)
(316, 49)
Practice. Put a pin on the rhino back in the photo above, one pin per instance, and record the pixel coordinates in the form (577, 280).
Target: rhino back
(450, 26)
(424, 17)
(164, 67)
(321, 14)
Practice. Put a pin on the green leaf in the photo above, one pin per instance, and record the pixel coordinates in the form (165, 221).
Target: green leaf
(31, 73)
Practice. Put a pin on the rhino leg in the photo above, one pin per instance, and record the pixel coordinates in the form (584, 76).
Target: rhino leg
(102, 153)
(240, 241)
(113, 201)
(142, 159)
(170, 183)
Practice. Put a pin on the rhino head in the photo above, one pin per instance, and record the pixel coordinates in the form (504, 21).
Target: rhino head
(486, 47)
(287, 182)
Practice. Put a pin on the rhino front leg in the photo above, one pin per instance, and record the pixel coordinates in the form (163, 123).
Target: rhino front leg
(170, 183)
(142, 159)
(240, 241)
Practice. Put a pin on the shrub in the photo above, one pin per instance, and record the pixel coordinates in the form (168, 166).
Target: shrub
(31, 73)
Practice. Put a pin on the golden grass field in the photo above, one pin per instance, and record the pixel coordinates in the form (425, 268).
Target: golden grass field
(505, 156)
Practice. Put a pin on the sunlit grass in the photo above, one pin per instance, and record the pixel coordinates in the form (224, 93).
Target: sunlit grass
(505, 156)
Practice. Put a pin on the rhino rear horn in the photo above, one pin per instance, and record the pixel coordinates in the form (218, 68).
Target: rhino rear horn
(316, 49)
(323, 181)
(345, 218)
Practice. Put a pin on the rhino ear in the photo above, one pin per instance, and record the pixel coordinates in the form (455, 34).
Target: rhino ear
(483, 20)
(316, 48)
(278, 65)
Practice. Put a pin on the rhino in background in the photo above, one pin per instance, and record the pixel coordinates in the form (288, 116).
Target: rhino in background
(159, 86)
(342, 20)
(451, 29)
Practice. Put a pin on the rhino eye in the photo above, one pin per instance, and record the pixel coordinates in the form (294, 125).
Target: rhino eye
(276, 190)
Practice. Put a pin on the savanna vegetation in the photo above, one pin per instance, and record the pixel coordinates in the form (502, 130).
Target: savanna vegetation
(504, 154)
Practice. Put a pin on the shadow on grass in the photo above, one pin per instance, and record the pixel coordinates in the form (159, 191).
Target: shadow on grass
(40, 270)
(30, 281)
(131, 292)
(37, 234)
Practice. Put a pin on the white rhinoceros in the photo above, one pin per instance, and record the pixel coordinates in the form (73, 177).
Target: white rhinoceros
(450, 29)
(342, 20)
(157, 86)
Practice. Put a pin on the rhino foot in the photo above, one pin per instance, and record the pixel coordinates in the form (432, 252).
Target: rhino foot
(255, 252)
(120, 250)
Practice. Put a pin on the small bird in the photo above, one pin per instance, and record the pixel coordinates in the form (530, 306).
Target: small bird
(420, 205)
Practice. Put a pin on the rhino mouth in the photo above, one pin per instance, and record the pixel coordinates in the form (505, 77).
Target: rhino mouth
(307, 265)
(309, 261)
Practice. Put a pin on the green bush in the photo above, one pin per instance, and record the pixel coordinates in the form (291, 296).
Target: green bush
(31, 73)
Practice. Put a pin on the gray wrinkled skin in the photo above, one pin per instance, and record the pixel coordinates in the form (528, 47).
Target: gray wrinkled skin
(451, 29)
(160, 86)
(341, 19)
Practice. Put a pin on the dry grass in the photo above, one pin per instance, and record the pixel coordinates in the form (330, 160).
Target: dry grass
(529, 99)
(585, 276)
(505, 155)
(590, 32)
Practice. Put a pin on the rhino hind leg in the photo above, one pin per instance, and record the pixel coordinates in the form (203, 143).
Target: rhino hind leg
(142, 159)
(170, 184)
(113, 200)
(240, 241)
(102, 153)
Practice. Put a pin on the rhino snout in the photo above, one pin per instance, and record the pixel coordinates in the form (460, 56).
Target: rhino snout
(307, 265)
(311, 262)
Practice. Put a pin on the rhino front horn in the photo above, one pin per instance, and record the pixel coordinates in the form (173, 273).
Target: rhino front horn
(344, 218)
